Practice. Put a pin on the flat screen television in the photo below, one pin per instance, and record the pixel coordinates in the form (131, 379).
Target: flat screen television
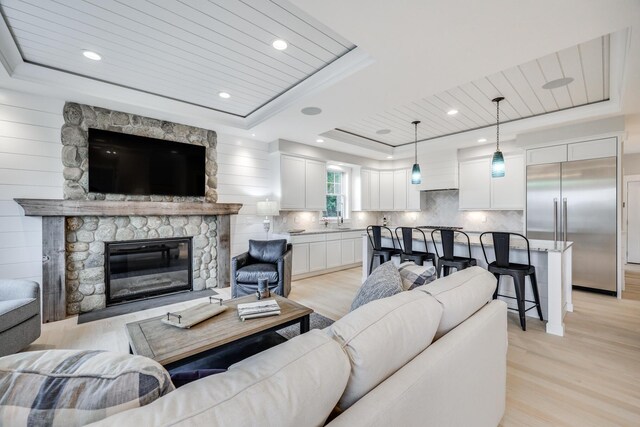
(127, 164)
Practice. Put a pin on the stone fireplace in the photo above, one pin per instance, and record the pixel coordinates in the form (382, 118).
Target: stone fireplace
(77, 229)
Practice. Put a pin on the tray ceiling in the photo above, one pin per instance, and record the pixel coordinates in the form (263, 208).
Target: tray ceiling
(179, 49)
(587, 63)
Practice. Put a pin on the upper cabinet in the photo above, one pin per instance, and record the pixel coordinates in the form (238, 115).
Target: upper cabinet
(595, 149)
(388, 191)
(315, 185)
(479, 191)
(302, 183)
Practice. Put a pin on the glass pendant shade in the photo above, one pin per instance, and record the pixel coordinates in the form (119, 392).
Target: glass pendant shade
(416, 176)
(497, 165)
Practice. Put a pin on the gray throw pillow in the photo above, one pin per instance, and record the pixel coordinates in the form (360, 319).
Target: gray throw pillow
(415, 275)
(385, 281)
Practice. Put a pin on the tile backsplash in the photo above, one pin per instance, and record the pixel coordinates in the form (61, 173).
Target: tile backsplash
(438, 208)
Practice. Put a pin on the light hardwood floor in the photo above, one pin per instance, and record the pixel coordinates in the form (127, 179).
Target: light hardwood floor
(589, 377)
(631, 284)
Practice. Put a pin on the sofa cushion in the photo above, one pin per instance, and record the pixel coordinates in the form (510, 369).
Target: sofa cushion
(267, 250)
(383, 282)
(15, 311)
(296, 383)
(416, 275)
(73, 388)
(381, 337)
(461, 294)
(252, 272)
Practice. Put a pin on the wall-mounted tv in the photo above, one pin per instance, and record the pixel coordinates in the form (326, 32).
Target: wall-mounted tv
(127, 164)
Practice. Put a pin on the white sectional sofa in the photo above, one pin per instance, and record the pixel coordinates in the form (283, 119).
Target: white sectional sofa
(377, 366)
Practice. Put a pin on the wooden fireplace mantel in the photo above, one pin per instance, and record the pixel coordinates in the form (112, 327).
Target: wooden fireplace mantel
(54, 212)
(54, 207)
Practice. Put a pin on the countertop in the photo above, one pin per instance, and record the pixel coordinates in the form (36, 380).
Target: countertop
(320, 231)
(534, 244)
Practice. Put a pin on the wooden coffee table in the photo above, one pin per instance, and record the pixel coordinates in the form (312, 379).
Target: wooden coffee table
(169, 345)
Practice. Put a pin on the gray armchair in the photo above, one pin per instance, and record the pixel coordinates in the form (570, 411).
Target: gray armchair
(19, 315)
(270, 259)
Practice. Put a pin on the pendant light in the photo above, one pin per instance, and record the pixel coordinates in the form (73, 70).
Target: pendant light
(416, 176)
(497, 162)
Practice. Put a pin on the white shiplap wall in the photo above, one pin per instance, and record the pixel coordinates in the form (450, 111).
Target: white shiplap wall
(243, 177)
(30, 166)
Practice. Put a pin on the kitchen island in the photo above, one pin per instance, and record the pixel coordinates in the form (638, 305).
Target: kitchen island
(552, 261)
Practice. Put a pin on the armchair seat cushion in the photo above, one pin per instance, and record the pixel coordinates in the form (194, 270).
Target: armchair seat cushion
(252, 272)
(15, 311)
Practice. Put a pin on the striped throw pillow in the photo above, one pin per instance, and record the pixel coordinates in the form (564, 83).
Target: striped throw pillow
(415, 275)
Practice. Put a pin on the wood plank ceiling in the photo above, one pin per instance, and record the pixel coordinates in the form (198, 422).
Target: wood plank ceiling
(587, 63)
(180, 49)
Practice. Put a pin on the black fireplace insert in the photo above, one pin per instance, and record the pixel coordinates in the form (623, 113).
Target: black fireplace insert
(137, 269)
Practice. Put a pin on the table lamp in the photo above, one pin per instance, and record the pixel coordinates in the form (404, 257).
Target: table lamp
(268, 209)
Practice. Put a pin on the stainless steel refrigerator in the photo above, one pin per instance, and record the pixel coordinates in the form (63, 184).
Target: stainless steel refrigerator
(576, 201)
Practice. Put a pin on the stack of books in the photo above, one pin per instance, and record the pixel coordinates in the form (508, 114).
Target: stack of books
(264, 308)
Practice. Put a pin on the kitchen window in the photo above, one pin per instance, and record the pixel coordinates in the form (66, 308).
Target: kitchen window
(336, 194)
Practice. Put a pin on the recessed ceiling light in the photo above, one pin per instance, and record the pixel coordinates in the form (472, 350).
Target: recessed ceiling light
(383, 131)
(279, 44)
(555, 84)
(319, 140)
(92, 55)
(311, 111)
(389, 157)
(482, 140)
(452, 112)
(253, 134)
(224, 95)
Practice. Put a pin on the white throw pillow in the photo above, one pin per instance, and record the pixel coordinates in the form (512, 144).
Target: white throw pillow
(381, 337)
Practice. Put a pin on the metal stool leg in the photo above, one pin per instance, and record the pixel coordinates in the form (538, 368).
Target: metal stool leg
(536, 296)
(495, 293)
(518, 281)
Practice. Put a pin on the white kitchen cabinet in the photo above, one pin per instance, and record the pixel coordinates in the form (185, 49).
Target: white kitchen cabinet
(365, 190)
(302, 183)
(317, 256)
(595, 149)
(300, 258)
(386, 190)
(475, 184)
(508, 192)
(292, 182)
(479, 191)
(357, 249)
(334, 253)
(315, 185)
(553, 154)
(374, 191)
(413, 195)
(348, 251)
(400, 182)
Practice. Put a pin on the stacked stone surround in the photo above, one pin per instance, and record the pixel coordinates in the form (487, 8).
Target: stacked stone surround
(86, 236)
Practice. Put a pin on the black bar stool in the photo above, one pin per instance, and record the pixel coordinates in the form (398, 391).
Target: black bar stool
(384, 254)
(502, 266)
(408, 254)
(448, 259)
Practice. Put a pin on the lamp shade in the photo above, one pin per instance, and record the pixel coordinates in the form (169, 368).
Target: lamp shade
(416, 176)
(497, 165)
(267, 208)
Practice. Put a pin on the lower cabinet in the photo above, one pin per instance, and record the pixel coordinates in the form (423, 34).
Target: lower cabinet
(318, 252)
(317, 256)
(300, 259)
(334, 253)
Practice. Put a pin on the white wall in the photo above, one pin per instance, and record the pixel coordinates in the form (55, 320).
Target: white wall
(30, 166)
(243, 177)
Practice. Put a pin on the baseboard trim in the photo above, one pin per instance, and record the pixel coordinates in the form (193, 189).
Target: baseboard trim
(325, 271)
